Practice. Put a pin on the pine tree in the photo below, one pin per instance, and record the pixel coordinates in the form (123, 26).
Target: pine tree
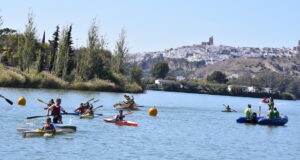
(120, 56)
(53, 48)
(28, 53)
(43, 39)
(41, 60)
(71, 57)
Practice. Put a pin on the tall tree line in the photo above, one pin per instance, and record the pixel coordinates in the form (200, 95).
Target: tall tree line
(60, 58)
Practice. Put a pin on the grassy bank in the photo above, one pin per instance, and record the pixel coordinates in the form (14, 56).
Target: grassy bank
(12, 77)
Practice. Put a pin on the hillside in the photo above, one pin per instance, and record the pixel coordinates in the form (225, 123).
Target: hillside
(197, 61)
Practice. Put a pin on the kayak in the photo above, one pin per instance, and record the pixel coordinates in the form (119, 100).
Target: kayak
(229, 110)
(128, 108)
(247, 120)
(264, 121)
(128, 123)
(65, 127)
(88, 116)
(37, 133)
(74, 113)
(276, 121)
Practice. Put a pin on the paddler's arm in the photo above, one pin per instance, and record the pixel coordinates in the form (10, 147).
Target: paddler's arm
(62, 109)
(50, 108)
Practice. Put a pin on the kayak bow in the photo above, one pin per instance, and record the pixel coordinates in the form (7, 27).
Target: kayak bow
(128, 123)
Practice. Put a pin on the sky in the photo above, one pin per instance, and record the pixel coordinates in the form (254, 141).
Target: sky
(155, 25)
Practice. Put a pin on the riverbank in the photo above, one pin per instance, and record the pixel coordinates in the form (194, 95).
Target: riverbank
(218, 89)
(12, 77)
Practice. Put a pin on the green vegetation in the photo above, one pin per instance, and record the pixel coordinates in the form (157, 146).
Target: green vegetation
(218, 77)
(28, 62)
(160, 70)
(285, 84)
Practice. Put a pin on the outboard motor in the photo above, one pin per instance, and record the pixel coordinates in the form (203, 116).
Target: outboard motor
(253, 117)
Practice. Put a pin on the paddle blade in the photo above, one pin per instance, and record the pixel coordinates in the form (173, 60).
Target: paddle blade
(41, 101)
(115, 105)
(90, 100)
(35, 117)
(129, 113)
(9, 101)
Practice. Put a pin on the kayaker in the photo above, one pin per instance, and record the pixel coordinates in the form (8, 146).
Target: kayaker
(127, 99)
(48, 126)
(271, 102)
(227, 108)
(87, 105)
(120, 116)
(89, 111)
(80, 109)
(271, 113)
(276, 113)
(248, 111)
(51, 102)
(56, 111)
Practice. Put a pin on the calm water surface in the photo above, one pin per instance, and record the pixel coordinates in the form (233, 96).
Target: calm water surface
(188, 126)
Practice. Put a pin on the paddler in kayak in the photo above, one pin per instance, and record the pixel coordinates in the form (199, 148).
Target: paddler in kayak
(271, 113)
(276, 113)
(50, 103)
(56, 111)
(248, 111)
(227, 108)
(129, 101)
(120, 116)
(271, 102)
(80, 109)
(48, 126)
(89, 111)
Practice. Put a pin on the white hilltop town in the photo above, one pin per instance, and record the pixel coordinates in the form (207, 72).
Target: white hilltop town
(210, 53)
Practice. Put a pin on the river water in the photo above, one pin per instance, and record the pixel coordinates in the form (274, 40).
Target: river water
(188, 126)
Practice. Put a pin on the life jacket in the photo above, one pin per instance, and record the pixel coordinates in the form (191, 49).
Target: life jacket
(81, 109)
(55, 110)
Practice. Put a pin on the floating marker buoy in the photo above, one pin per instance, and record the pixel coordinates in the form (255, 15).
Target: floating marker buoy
(152, 111)
(22, 101)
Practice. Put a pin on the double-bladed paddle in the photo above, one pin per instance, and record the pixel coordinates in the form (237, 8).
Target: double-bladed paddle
(7, 100)
(62, 114)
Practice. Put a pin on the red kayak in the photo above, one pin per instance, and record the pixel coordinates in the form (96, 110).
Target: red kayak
(128, 108)
(128, 123)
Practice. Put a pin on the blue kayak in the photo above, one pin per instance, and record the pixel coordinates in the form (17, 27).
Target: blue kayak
(264, 121)
(275, 121)
(247, 120)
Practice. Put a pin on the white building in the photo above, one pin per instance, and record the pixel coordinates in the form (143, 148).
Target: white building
(161, 81)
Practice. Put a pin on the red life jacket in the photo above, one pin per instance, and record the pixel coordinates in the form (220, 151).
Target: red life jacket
(81, 109)
(55, 110)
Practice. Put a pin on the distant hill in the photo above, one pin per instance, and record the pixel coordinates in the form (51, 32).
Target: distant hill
(199, 60)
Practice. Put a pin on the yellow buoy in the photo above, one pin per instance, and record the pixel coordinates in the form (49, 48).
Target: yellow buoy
(22, 101)
(152, 111)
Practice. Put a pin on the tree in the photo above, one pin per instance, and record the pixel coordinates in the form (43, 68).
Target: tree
(53, 48)
(28, 53)
(136, 74)
(62, 55)
(160, 70)
(120, 56)
(71, 57)
(92, 63)
(217, 76)
(41, 60)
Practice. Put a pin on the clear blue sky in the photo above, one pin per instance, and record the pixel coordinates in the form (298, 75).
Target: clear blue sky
(162, 24)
